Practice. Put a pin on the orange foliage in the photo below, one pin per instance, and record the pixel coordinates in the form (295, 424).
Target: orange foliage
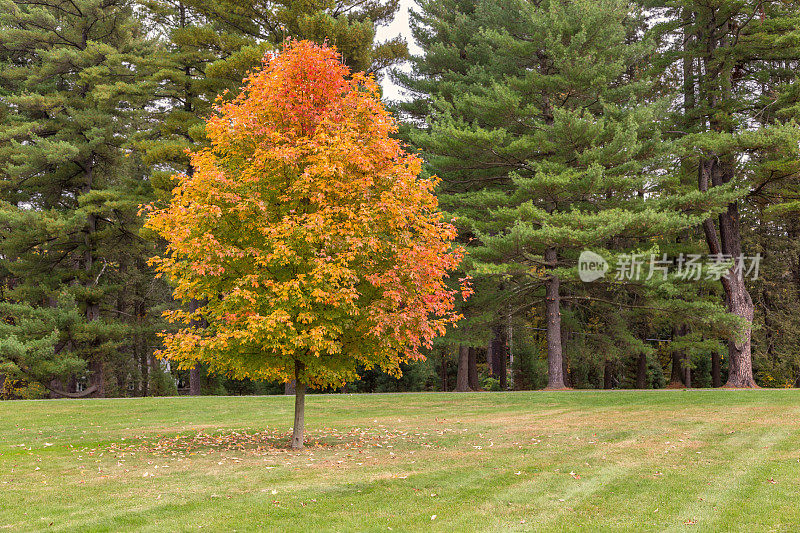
(306, 231)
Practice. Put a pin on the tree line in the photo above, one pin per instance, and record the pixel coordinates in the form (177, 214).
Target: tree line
(659, 136)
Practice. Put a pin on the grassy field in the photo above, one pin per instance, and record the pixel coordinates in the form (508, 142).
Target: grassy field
(577, 460)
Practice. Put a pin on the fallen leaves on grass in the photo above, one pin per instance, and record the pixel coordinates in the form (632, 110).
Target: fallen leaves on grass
(266, 441)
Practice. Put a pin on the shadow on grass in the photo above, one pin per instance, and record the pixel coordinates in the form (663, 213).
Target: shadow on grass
(270, 440)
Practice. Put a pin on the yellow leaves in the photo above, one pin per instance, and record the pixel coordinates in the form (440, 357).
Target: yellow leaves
(306, 231)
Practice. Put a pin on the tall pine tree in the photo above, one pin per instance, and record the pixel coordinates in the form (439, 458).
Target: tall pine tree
(736, 63)
(74, 78)
(550, 144)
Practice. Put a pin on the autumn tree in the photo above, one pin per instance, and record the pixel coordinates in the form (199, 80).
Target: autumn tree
(306, 233)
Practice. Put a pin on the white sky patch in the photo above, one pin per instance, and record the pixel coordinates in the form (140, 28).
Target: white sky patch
(398, 26)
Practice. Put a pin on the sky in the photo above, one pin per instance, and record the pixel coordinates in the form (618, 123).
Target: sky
(399, 26)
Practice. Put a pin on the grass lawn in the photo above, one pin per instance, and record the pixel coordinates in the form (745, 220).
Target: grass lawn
(575, 460)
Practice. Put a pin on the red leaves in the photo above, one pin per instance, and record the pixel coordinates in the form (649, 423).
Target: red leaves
(307, 231)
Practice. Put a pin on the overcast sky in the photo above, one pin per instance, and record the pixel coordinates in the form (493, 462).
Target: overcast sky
(399, 26)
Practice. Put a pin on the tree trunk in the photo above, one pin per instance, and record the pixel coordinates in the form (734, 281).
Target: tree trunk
(565, 370)
(641, 371)
(740, 362)
(490, 357)
(503, 359)
(677, 374)
(555, 363)
(194, 380)
(194, 372)
(687, 369)
(443, 370)
(716, 375)
(462, 379)
(473, 369)
(299, 408)
(99, 378)
(608, 375)
(715, 170)
(289, 387)
(499, 355)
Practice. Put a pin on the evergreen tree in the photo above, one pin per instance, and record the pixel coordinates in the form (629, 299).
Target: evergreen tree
(74, 81)
(736, 64)
(555, 147)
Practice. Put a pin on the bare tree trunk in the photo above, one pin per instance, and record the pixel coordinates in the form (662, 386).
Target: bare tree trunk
(289, 387)
(473, 369)
(443, 370)
(608, 374)
(555, 362)
(716, 375)
(740, 363)
(194, 372)
(641, 371)
(490, 357)
(499, 355)
(503, 359)
(194, 380)
(299, 408)
(462, 379)
(687, 369)
(678, 374)
(565, 370)
(99, 378)
(717, 170)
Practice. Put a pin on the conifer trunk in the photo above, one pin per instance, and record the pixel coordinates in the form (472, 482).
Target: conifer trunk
(641, 371)
(473, 369)
(498, 351)
(714, 171)
(716, 363)
(608, 375)
(462, 379)
(678, 374)
(555, 362)
(298, 429)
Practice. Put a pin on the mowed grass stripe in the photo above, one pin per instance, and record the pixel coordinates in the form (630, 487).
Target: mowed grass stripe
(619, 460)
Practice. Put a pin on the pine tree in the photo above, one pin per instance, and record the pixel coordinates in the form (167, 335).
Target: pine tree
(737, 68)
(555, 147)
(74, 81)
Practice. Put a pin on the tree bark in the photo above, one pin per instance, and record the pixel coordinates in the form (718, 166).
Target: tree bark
(565, 369)
(608, 375)
(194, 381)
(462, 379)
(499, 355)
(473, 369)
(716, 375)
(194, 372)
(641, 371)
(443, 370)
(98, 378)
(289, 387)
(716, 170)
(678, 374)
(687, 369)
(298, 429)
(740, 362)
(555, 363)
